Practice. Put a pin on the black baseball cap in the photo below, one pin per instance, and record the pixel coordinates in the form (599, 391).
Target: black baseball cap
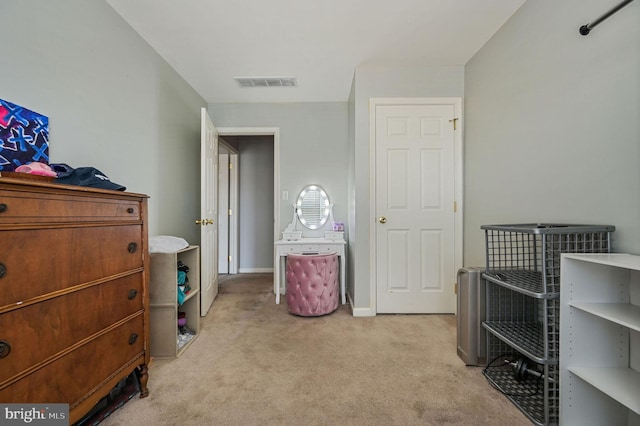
(84, 176)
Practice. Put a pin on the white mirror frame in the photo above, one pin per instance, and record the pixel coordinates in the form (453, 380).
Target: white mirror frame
(313, 197)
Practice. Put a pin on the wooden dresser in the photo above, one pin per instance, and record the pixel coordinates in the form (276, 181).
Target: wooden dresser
(74, 302)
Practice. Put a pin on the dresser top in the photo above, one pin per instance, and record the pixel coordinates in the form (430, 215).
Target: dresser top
(52, 187)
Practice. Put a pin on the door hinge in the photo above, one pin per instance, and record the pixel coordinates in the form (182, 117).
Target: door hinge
(455, 206)
(455, 288)
(454, 120)
(229, 258)
(230, 166)
(230, 212)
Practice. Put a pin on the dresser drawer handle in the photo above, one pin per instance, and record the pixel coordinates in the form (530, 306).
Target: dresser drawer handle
(3, 208)
(133, 293)
(133, 338)
(3, 270)
(5, 348)
(132, 247)
(130, 210)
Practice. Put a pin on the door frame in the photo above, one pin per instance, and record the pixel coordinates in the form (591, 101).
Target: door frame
(232, 241)
(223, 210)
(458, 182)
(234, 197)
(264, 131)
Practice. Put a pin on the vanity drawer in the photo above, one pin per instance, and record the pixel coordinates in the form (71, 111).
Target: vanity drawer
(311, 249)
(41, 261)
(69, 319)
(76, 374)
(34, 207)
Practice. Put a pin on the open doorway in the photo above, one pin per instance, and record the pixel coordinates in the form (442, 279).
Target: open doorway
(248, 193)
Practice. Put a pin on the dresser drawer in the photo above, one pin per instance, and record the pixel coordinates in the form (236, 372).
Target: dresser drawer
(33, 207)
(75, 375)
(69, 319)
(37, 262)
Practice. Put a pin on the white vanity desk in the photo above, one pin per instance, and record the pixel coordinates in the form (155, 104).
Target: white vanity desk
(308, 246)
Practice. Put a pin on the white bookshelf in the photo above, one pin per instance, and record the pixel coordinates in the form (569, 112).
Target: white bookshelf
(621, 384)
(600, 339)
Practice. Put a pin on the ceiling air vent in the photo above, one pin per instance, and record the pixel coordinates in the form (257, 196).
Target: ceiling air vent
(266, 81)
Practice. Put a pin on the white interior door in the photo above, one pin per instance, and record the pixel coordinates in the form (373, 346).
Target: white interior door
(234, 204)
(414, 205)
(208, 213)
(224, 210)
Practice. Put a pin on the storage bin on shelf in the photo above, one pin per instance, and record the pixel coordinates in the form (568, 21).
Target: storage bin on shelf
(523, 308)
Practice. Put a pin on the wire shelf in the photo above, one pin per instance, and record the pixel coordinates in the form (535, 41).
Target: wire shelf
(524, 337)
(523, 304)
(532, 406)
(523, 281)
(529, 325)
(536, 248)
(536, 395)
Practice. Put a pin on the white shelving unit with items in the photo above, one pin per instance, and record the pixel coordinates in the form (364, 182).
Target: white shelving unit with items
(168, 338)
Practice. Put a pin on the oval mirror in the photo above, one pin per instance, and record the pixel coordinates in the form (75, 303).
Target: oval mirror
(312, 207)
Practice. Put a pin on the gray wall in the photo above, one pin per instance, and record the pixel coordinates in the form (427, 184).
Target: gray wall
(551, 123)
(112, 102)
(255, 158)
(313, 146)
(551, 120)
(369, 83)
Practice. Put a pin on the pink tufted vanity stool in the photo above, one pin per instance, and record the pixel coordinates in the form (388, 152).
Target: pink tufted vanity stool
(312, 284)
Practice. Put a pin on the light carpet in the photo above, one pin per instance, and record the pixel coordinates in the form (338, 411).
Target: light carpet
(253, 363)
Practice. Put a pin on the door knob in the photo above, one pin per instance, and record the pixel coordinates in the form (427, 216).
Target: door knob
(382, 219)
(204, 222)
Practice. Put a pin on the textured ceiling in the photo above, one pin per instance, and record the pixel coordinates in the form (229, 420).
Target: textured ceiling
(320, 42)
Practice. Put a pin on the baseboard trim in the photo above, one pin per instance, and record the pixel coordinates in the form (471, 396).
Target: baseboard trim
(360, 312)
(255, 270)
